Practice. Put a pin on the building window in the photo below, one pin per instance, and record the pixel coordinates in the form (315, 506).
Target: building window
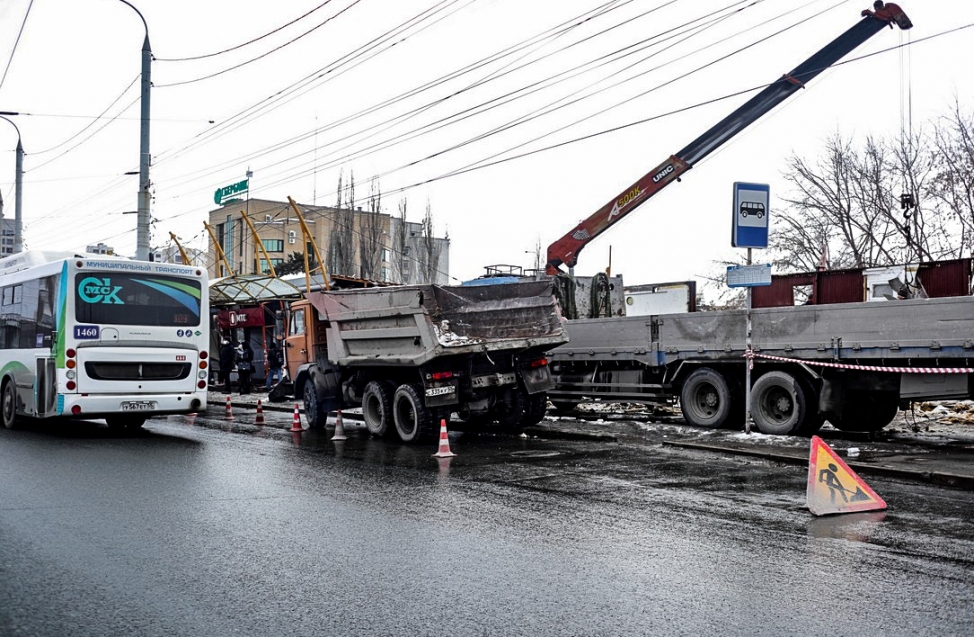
(385, 255)
(263, 265)
(273, 245)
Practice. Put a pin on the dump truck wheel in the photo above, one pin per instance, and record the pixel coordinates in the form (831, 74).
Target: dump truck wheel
(513, 414)
(537, 406)
(8, 405)
(414, 423)
(706, 399)
(778, 404)
(312, 406)
(377, 408)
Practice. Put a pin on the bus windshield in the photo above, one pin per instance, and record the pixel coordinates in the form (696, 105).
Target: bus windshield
(150, 300)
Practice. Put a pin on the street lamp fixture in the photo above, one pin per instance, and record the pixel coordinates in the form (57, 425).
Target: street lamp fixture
(19, 183)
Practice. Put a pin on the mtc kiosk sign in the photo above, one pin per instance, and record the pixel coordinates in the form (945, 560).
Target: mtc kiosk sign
(751, 207)
(231, 192)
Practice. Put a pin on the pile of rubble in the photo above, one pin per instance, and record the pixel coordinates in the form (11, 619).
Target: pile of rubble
(936, 414)
(924, 416)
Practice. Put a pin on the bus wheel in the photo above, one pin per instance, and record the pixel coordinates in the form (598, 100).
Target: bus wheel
(377, 408)
(125, 422)
(705, 399)
(778, 404)
(414, 422)
(8, 405)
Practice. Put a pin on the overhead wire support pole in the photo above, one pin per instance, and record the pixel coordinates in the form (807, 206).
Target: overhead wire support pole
(144, 198)
(19, 188)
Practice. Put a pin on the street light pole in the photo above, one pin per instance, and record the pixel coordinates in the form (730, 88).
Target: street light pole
(19, 188)
(142, 223)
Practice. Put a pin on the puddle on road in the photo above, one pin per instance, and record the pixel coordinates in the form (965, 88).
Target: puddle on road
(537, 453)
(857, 527)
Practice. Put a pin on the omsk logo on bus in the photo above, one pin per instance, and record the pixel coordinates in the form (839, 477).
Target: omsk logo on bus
(95, 290)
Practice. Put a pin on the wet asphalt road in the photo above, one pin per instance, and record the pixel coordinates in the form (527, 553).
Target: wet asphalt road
(209, 527)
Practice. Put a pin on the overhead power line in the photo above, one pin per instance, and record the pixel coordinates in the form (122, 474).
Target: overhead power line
(16, 42)
(247, 43)
(262, 55)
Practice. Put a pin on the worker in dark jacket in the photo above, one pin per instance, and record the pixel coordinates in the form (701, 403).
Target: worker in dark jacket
(275, 361)
(228, 360)
(245, 367)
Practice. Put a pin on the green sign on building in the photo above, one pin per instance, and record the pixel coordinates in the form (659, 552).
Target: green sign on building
(231, 190)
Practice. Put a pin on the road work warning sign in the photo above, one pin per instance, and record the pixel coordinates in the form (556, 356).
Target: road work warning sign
(835, 488)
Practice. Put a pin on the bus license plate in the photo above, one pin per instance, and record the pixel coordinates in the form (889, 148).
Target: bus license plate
(138, 405)
(439, 391)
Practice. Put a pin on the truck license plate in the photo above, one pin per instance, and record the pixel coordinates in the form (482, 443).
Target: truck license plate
(138, 405)
(439, 391)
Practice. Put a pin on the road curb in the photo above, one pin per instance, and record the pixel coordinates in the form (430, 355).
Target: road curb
(956, 480)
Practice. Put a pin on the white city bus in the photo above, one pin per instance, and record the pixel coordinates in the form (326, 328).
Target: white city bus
(89, 336)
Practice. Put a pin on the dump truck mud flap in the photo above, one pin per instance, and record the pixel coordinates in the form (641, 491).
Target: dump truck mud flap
(537, 379)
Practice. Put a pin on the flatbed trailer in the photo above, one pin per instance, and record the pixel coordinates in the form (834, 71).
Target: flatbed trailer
(853, 364)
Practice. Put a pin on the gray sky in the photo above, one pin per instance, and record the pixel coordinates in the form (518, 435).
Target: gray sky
(413, 90)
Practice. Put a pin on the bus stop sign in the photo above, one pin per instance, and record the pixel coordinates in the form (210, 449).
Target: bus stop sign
(751, 208)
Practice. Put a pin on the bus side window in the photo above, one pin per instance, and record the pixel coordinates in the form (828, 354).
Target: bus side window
(10, 315)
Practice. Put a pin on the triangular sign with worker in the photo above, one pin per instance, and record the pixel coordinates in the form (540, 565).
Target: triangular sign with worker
(835, 488)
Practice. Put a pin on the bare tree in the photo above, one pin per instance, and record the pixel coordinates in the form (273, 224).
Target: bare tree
(370, 239)
(953, 185)
(864, 206)
(341, 254)
(400, 245)
(429, 256)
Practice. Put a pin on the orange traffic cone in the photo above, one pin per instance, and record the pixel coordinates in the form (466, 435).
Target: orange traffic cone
(229, 413)
(296, 425)
(259, 418)
(444, 451)
(339, 428)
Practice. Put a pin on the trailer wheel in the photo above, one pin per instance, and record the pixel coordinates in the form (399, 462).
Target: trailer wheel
(564, 406)
(866, 411)
(813, 421)
(313, 408)
(706, 399)
(779, 404)
(414, 422)
(377, 408)
(8, 405)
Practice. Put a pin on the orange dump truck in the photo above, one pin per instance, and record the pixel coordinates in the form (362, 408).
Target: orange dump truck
(411, 355)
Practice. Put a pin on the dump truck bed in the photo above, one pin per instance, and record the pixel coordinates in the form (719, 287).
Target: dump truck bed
(414, 324)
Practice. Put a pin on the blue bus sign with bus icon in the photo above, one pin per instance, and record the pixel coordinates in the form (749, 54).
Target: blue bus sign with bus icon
(750, 214)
